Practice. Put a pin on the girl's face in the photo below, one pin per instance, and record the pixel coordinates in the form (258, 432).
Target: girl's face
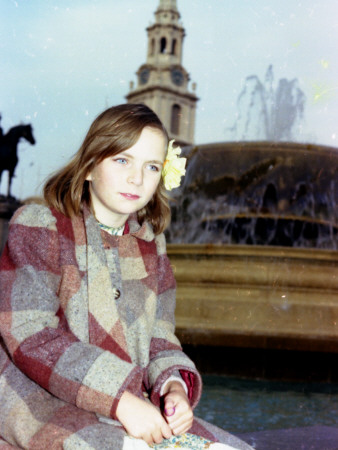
(123, 184)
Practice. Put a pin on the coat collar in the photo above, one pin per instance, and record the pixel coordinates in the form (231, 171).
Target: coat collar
(144, 232)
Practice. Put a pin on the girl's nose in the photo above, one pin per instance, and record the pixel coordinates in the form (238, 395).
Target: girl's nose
(136, 176)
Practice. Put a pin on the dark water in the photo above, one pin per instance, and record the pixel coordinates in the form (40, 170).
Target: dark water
(241, 406)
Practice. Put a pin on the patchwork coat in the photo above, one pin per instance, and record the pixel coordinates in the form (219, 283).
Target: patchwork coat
(84, 316)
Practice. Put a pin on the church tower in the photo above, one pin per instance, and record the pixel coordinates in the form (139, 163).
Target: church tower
(162, 82)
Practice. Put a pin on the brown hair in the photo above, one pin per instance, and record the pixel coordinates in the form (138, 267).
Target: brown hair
(113, 131)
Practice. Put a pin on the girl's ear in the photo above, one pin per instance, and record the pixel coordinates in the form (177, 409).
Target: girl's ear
(89, 177)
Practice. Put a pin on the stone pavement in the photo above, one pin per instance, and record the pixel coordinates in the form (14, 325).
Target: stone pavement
(307, 438)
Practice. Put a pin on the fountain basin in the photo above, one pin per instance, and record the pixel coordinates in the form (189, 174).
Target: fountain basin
(256, 296)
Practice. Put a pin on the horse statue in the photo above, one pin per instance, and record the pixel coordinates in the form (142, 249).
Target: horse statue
(8, 150)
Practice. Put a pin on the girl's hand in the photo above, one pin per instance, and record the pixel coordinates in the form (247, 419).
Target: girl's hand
(142, 419)
(177, 409)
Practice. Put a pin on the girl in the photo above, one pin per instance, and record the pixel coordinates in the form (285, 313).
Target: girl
(87, 302)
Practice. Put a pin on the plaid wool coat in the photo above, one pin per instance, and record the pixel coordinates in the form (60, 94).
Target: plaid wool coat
(84, 316)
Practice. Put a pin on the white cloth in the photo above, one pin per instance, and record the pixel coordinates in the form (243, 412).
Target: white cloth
(139, 444)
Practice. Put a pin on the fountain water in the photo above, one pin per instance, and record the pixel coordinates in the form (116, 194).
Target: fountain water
(258, 193)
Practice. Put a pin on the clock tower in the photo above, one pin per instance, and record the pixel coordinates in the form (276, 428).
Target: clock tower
(162, 82)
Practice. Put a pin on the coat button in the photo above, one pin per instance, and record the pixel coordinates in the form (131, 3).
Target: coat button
(117, 294)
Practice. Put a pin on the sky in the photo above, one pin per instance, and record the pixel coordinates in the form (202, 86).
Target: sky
(65, 61)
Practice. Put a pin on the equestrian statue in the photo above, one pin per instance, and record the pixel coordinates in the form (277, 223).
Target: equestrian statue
(8, 149)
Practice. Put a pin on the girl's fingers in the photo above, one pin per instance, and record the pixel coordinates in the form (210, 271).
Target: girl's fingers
(148, 439)
(177, 419)
(182, 429)
(181, 425)
(166, 431)
(157, 437)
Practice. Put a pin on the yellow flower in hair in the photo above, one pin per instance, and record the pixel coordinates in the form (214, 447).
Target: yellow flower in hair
(173, 167)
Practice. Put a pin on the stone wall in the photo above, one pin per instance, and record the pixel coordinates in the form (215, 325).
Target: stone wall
(252, 296)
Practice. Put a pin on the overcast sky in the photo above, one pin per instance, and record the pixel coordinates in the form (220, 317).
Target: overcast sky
(64, 61)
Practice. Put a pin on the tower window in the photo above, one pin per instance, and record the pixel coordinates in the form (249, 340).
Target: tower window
(152, 47)
(173, 47)
(175, 119)
(163, 45)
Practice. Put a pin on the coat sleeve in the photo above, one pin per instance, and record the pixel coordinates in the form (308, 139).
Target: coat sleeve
(35, 331)
(166, 355)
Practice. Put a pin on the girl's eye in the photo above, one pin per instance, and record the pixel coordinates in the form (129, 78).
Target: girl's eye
(121, 160)
(153, 168)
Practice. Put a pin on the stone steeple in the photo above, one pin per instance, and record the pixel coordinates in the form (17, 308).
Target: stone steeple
(162, 82)
(164, 7)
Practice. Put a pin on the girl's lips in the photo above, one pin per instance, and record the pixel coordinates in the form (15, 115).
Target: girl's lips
(130, 196)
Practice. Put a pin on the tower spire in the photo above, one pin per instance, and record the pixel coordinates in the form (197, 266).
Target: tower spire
(168, 4)
(167, 12)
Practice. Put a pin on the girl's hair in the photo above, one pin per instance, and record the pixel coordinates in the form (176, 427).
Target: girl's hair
(112, 132)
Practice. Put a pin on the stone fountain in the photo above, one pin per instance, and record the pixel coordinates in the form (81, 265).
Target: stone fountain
(254, 246)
